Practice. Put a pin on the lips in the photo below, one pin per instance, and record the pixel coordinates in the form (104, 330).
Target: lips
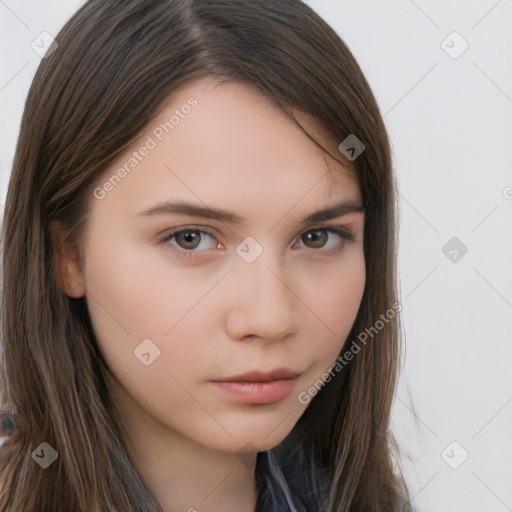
(259, 387)
(257, 376)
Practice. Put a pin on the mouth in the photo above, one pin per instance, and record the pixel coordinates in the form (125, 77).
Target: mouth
(257, 376)
(259, 387)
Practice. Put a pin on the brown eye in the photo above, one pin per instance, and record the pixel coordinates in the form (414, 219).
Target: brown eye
(188, 239)
(318, 238)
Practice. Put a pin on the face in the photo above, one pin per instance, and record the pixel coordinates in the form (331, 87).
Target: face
(212, 325)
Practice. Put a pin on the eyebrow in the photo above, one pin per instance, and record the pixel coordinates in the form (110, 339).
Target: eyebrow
(197, 210)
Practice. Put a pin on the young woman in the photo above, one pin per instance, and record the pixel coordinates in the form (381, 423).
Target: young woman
(199, 304)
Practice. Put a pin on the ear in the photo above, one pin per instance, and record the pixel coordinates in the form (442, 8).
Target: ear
(67, 265)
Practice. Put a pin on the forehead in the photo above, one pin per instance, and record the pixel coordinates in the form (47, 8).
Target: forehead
(227, 143)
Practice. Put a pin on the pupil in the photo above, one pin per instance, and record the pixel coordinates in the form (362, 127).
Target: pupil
(189, 237)
(315, 238)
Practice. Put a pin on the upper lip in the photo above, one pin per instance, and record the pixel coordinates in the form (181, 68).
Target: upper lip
(257, 376)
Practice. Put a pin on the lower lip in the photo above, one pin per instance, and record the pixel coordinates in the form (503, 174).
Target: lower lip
(259, 392)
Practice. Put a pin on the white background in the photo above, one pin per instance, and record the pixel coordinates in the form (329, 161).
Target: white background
(450, 122)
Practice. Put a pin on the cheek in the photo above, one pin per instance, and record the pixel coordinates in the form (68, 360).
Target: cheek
(132, 299)
(334, 302)
(137, 287)
(136, 293)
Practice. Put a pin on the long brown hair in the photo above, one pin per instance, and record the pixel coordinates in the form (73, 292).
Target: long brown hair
(116, 64)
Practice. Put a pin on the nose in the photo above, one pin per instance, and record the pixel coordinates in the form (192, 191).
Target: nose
(262, 302)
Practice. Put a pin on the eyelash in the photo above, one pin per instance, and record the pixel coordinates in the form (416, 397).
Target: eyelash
(344, 234)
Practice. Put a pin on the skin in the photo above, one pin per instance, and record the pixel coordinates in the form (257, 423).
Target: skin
(216, 315)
